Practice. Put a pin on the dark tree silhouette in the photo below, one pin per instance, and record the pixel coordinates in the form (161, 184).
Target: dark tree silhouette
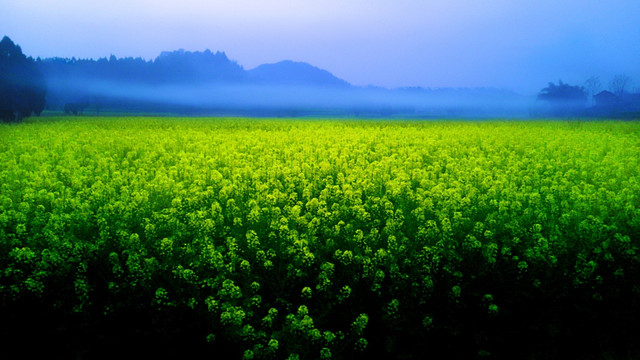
(592, 86)
(563, 99)
(620, 84)
(22, 86)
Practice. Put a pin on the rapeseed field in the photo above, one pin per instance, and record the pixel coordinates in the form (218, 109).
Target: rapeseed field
(319, 238)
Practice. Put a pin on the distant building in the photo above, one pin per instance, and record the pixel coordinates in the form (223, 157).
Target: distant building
(606, 99)
(609, 104)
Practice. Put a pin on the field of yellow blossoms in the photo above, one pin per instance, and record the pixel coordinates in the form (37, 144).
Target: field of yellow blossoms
(320, 239)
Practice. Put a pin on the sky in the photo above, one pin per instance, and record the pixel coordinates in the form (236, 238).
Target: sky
(519, 45)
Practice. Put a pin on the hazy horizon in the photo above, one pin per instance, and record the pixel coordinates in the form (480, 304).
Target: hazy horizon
(515, 45)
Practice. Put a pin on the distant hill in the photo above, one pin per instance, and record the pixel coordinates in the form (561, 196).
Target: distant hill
(289, 72)
(206, 82)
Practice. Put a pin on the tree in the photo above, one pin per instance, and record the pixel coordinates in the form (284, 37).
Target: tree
(592, 86)
(22, 85)
(619, 84)
(563, 99)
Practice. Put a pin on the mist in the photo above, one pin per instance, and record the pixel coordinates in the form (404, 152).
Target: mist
(362, 58)
(95, 96)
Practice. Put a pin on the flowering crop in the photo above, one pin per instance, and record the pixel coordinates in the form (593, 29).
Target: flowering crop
(308, 239)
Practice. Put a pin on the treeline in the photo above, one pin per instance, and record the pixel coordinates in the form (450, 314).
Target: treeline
(76, 84)
(170, 67)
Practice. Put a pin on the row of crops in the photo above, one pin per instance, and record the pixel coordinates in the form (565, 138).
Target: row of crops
(320, 239)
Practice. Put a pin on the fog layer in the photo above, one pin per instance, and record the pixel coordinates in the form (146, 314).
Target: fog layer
(207, 82)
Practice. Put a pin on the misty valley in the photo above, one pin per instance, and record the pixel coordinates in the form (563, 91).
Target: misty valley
(207, 83)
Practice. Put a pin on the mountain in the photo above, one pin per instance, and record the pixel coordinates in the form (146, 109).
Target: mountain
(289, 72)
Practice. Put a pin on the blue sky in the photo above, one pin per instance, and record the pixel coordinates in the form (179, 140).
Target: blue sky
(513, 44)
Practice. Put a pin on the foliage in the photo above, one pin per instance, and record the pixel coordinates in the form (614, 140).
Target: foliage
(563, 99)
(273, 239)
(22, 85)
(592, 86)
(620, 84)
